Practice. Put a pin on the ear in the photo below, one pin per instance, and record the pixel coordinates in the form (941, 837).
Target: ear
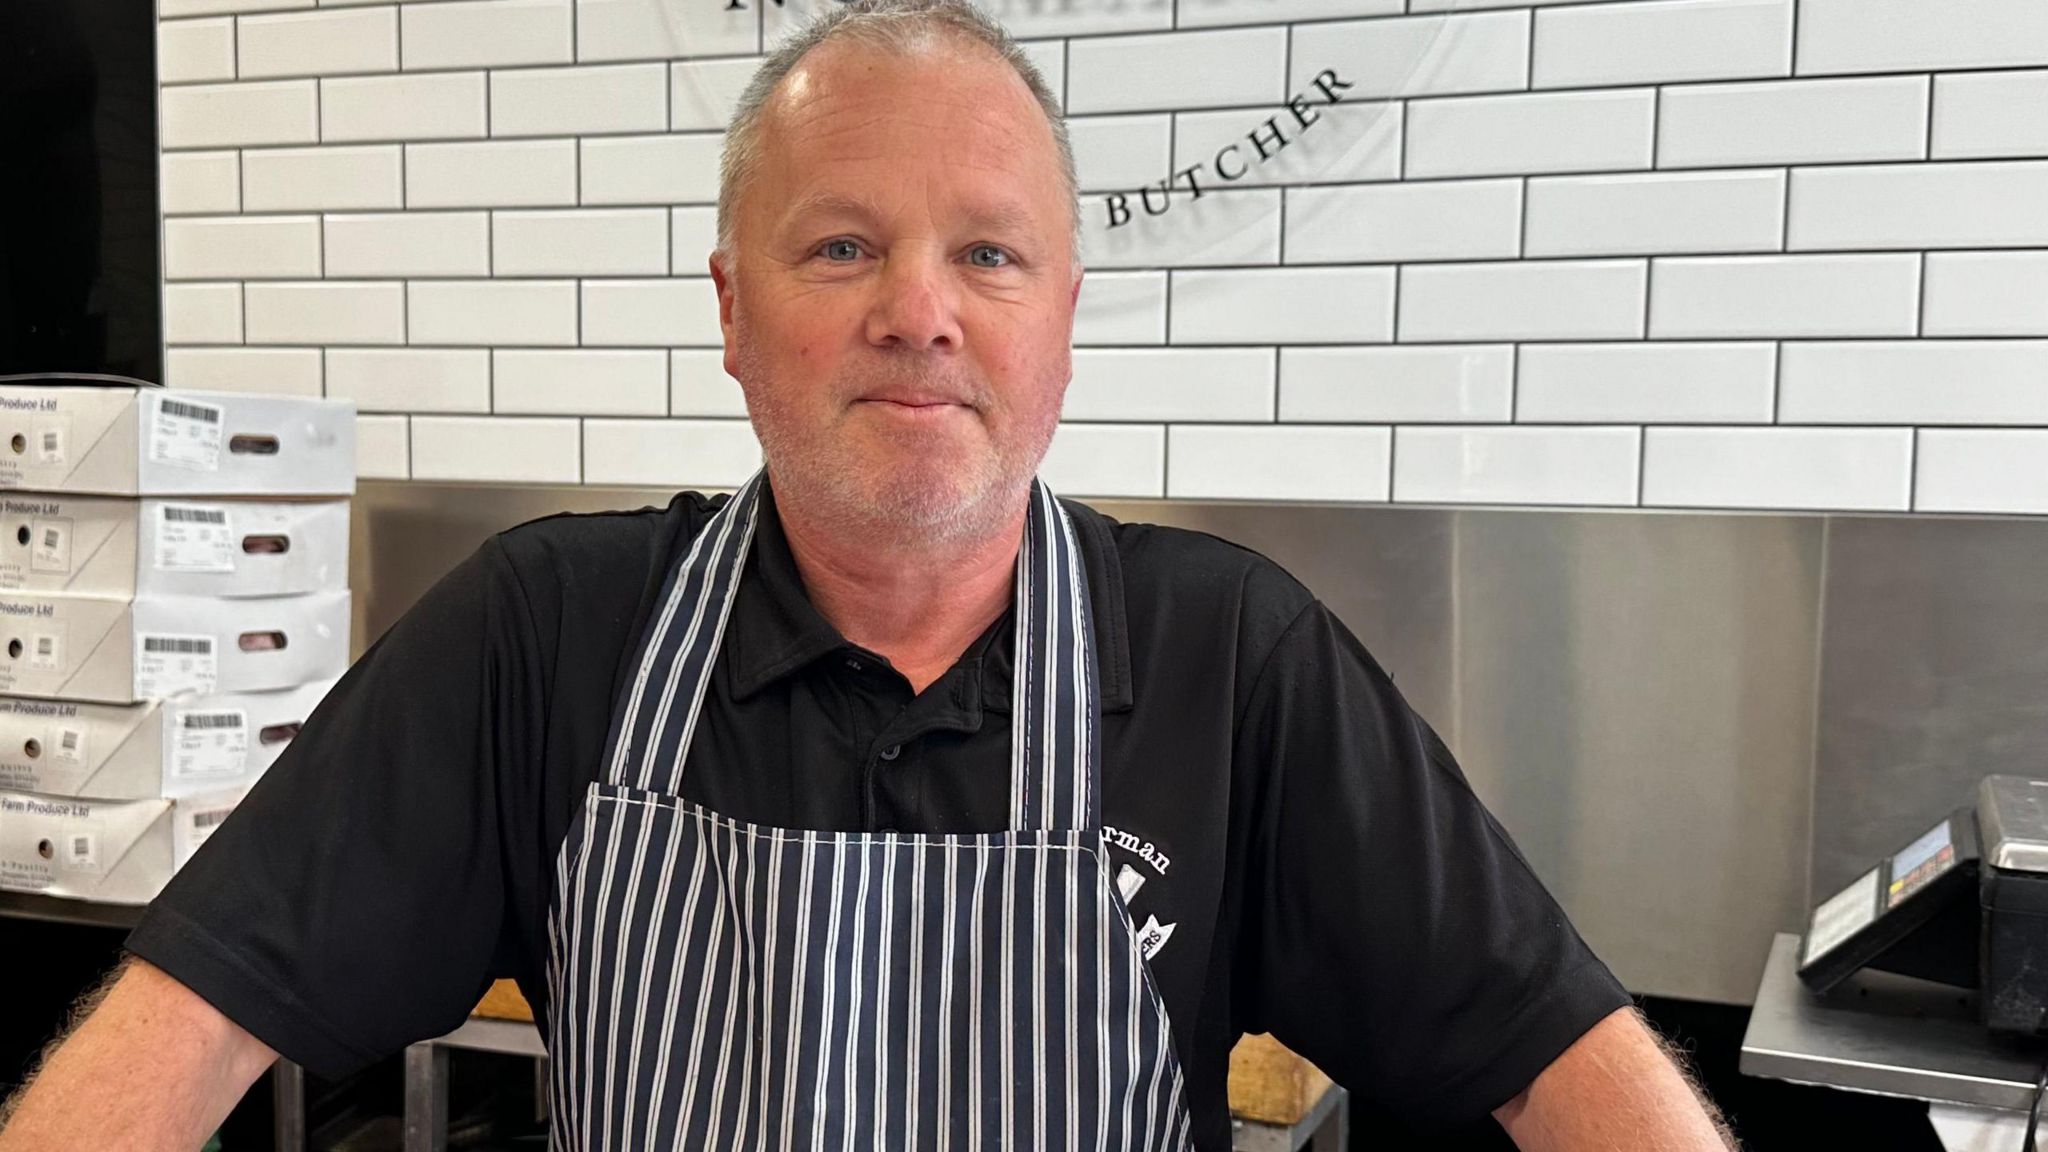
(722, 279)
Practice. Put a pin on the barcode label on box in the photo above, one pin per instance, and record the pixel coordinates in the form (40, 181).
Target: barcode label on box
(194, 538)
(185, 432)
(46, 652)
(168, 665)
(50, 448)
(200, 821)
(70, 747)
(210, 743)
(81, 850)
(50, 545)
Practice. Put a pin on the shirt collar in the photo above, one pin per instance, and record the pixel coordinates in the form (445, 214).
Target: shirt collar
(775, 631)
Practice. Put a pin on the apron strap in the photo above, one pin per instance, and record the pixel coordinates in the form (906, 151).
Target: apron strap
(1055, 704)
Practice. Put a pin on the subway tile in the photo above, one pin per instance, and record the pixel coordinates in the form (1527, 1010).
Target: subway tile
(1220, 13)
(1986, 294)
(200, 182)
(639, 313)
(1837, 469)
(486, 33)
(512, 312)
(1722, 382)
(1982, 470)
(439, 106)
(580, 382)
(1277, 462)
(1434, 220)
(202, 313)
(664, 29)
(383, 448)
(604, 242)
(1444, 5)
(229, 115)
(497, 449)
(311, 179)
(241, 247)
(1343, 142)
(167, 9)
(320, 43)
(651, 169)
(1792, 122)
(1050, 58)
(367, 312)
(670, 453)
(1416, 56)
(1575, 466)
(693, 233)
(1025, 19)
(409, 244)
(1663, 41)
(195, 50)
(1121, 152)
(1282, 306)
(1974, 114)
(698, 385)
(703, 93)
(1107, 460)
(1919, 35)
(1121, 308)
(584, 99)
(1994, 204)
(275, 371)
(1525, 300)
(1531, 133)
(1176, 70)
(1171, 384)
(1861, 295)
(1462, 384)
(501, 173)
(411, 379)
(1915, 382)
(1230, 227)
(1656, 213)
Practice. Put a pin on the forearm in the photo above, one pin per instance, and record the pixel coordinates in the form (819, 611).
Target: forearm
(1618, 1087)
(151, 1066)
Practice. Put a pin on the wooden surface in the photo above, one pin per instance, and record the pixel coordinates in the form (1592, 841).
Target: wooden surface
(1268, 1083)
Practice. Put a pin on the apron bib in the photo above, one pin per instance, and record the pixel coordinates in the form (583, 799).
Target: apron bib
(723, 985)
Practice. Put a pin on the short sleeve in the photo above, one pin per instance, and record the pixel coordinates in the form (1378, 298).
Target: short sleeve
(1392, 933)
(355, 900)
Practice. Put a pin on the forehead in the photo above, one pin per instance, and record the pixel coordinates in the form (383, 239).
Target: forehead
(944, 121)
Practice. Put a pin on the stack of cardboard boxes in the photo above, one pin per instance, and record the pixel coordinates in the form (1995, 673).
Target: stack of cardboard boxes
(173, 604)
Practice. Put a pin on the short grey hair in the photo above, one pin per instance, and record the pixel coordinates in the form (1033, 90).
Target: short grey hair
(894, 26)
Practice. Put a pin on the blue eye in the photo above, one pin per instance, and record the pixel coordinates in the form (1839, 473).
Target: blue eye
(848, 247)
(1002, 256)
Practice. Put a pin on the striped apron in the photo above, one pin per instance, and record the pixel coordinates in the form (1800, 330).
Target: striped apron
(723, 985)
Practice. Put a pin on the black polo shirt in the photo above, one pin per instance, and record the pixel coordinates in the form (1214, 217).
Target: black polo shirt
(1324, 870)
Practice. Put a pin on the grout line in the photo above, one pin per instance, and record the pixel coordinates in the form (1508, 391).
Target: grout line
(1394, 321)
(1794, 73)
(1169, 308)
(1642, 460)
(1276, 384)
(1066, 74)
(1393, 456)
(235, 47)
(319, 112)
(1515, 383)
(1913, 473)
(1777, 380)
(1785, 215)
(1920, 286)
(1522, 235)
(1927, 144)
(1649, 292)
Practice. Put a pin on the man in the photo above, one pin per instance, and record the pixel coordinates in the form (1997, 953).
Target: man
(890, 802)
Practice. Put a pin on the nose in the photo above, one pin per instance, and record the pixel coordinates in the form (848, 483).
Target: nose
(917, 302)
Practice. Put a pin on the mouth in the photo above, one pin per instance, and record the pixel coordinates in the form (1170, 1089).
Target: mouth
(913, 404)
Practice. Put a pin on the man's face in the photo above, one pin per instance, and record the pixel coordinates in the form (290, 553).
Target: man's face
(899, 303)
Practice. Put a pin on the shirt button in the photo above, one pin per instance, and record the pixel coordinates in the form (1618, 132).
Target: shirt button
(853, 664)
(892, 751)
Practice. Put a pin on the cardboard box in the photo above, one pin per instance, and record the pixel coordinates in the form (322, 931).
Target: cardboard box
(176, 748)
(122, 441)
(110, 852)
(1270, 1085)
(126, 651)
(122, 547)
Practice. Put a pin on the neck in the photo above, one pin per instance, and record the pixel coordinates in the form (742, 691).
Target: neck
(917, 603)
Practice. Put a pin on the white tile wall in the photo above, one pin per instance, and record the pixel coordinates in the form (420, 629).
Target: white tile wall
(1684, 253)
(1277, 462)
(1861, 469)
(1792, 121)
(1659, 41)
(1516, 465)
(1982, 470)
(1722, 382)
(1916, 382)
(1859, 295)
(1986, 294)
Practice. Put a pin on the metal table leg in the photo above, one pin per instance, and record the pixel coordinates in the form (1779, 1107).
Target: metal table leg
(288, 1105)
(1335, 1133)
(426, 1097)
